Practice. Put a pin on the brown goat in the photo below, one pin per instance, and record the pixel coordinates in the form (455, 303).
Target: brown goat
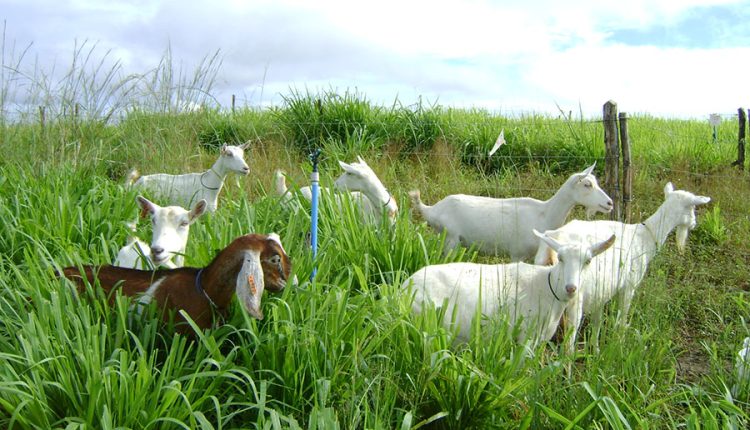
(250, 264)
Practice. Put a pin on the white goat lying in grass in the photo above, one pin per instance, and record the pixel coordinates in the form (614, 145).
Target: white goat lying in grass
(189, 188)
(365, 189)
(532, 296)
(621, 269)
(171, 227)
(504, 225)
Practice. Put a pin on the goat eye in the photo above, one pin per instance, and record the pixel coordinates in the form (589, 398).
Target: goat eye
(184, 224)
(588, 261)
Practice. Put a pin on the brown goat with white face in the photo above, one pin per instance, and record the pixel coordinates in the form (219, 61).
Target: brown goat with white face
(250, 264)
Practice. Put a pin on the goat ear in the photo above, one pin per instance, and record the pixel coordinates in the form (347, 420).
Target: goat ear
(250, 284)
(223, 148)
(198, 210)
(700, 200)
(589, 169)
(668, 189)
(147, 207)
(361, 160)
(548, 240)
(345, 166)
(603, 246)
(245, 145)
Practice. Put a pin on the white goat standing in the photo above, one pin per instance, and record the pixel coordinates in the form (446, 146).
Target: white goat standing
(620, 270)
(191, 187)
(504, 225)
(532, 296)
(171, 227)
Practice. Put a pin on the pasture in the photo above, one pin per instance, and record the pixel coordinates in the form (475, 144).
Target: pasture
(346, 351)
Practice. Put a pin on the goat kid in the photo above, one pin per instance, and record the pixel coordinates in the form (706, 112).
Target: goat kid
(170, 230)
(532, 297)
(505, 225)
(191, 187)
(620, 270)
(246, 267)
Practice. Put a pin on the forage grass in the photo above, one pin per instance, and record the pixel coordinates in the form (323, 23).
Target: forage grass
(343, 350)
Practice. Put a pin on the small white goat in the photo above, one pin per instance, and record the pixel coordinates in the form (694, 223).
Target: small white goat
(620, 270)
(532, 296)
(171, 226)
(504, 225)
(189, 188)
(287, 198)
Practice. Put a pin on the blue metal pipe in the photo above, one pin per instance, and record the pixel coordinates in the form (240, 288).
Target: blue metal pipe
(315, 179)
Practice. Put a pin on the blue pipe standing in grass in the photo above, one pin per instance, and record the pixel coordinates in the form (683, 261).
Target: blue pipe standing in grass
(314, 178)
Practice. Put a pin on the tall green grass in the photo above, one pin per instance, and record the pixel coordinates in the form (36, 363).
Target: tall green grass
(345, 351)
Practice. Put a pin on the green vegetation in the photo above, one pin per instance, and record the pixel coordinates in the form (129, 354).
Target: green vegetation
(346, 352)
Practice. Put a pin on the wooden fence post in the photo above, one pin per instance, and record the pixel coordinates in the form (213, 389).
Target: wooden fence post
(232, 103)
(612, 158)
(740, 162)
(627, 173)
(41, 116)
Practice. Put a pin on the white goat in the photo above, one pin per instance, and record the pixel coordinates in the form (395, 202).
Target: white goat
(365, 189)
(359, 177)
(189, 188)
(621, 269)
(504, 225)
(171, 226)
(533, 297)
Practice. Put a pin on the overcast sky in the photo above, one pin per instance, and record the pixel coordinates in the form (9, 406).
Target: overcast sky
(683, 58)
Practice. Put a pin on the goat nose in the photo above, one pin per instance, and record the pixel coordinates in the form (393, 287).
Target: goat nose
(156, 250)
(570, 288)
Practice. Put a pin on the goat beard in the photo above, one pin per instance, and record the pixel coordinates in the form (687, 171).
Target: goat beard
(681, 235)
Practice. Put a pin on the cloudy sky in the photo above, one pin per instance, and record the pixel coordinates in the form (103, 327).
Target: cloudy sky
(675, 58)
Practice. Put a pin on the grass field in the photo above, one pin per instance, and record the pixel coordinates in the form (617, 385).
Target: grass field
(345, 351)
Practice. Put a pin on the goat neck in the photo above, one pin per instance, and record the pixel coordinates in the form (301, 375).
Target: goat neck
(661, 223)
(381, 198)
(213, 178)
(558, 207)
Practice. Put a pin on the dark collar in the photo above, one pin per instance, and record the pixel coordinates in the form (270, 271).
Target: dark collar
(206, 186)
(200, 290)
(549, 284)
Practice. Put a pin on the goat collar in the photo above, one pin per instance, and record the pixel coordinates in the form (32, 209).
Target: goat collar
(549, 284)
(390, 197)
(199, 288)
(206, 186)
(651, 233)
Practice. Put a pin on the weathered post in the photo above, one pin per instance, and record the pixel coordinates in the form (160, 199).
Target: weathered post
(232, 103)
(41, 116)
(612, 157)
(627, 173)
(740, 162)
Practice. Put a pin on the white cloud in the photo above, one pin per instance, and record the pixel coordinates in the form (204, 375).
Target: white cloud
(495, 54)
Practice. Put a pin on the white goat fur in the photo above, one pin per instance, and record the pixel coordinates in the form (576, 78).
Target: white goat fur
(620, 270)
(365, 189)
(170, 230)
(533, 297)
(504, 225)
(189, 188)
